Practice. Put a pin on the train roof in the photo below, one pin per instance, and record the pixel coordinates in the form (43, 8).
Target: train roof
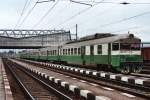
(104, 37)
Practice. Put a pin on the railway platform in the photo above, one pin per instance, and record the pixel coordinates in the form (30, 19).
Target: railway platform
(5, 91)
(85, 87)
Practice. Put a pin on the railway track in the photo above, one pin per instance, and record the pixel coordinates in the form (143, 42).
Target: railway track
(33, 87)
(121, 86)
(17, 92)
(146, 70)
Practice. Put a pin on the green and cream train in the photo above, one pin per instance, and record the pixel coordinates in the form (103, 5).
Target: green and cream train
(118, 52)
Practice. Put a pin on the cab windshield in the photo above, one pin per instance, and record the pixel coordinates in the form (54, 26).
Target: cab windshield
(131, 46)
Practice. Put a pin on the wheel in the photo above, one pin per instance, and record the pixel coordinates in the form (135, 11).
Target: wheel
(125, 69)
(134, 70)
(138, 69)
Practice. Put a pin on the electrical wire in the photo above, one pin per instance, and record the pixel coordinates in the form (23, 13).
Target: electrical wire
(45, 15)
(124, 19)
(23, 10)
(79, 13)
(124, 3)
(60, 11)
(30, 11)
(126, 29)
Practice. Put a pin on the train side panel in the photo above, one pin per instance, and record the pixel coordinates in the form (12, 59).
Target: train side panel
(146, 54)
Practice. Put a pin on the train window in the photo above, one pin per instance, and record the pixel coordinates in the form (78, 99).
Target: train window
(75, 51)
(83, 50)
(68, 51)
(125, 46)
(92, 50)
(135, 46)
(79, 51)
(115, 46)
(50, 53)
(71, 51)
(55, 52)
(63, 51)
(99, 49)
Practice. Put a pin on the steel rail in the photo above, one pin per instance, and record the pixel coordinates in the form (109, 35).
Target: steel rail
(25, 90)
(119, 85)
(60, 94)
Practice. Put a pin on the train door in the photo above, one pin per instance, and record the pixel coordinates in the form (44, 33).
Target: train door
(46, 55)
(59, 53)
(91, 54)
(109, 53)
(83, 54)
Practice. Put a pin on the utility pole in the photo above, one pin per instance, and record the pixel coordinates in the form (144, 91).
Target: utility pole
(76, 31)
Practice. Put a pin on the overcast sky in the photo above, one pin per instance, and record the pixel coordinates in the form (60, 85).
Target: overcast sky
(108, 16)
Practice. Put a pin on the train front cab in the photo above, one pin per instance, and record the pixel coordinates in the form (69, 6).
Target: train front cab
(126, 57)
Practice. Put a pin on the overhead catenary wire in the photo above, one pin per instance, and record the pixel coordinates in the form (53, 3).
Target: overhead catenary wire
(60, 11)
(124, 3)
(95, 2)
(80, 3)
(101, 13)
(46, 14)
(79, 13)
(124, 19)
(126, 29)
(22, 12)
(29, 12)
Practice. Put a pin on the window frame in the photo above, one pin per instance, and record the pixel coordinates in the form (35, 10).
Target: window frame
(75, 51)
(79, 51)
(101, 49)
(113, 46)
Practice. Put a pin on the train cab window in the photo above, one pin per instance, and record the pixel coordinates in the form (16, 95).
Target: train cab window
(135, 46)
(99, 49)
(68, 51)
(71, 51)
(115, 46)
(125, 46)
(75, 51)
(79, 51)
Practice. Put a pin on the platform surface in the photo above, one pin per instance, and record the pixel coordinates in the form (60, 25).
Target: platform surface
(2, 90)
(5, 91)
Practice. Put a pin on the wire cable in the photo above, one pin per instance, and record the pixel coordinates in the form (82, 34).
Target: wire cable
(126, 29)
(124, 3)
(125, 19)
(30, 11)
(23, 10)
(45, 15)
(79, 13)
